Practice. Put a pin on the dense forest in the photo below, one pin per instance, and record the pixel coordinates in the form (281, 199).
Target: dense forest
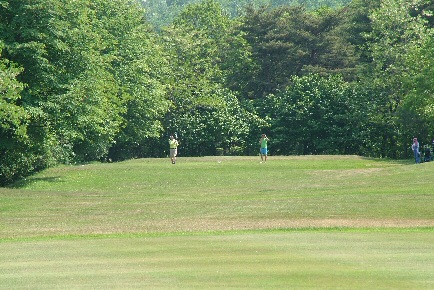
(99, 80)
(162, 12)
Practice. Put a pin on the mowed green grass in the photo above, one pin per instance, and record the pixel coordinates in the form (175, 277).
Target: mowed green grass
(221, 222)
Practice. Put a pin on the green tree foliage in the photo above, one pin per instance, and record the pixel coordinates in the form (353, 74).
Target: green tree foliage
(289, 41)
(425, 10)
(14, 118)
(398, 43)
(162, 12)
(355, 24)
(317, 115)
(206, 128)
(66, 70)
(140, 70)
(13, 126)
(91, 72)
(94, 72)
(204, 113)
(278, 44)
(416, 111)
(89, 80)
(24, 142)
(128, 70)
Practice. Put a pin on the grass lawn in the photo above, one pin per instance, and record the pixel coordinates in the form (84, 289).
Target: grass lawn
(325, 222)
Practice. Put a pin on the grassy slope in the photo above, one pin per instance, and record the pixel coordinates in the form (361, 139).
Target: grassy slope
(152, 195)
(313, 221)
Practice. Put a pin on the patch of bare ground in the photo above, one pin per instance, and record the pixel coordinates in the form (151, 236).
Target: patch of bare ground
(347, 173)
(210, 225)
(207, 225)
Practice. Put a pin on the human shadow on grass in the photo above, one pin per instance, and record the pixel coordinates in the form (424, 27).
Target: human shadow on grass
(388, 160)
(30, 180)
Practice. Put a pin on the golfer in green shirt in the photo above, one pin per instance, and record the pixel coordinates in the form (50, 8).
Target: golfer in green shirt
(263, 151)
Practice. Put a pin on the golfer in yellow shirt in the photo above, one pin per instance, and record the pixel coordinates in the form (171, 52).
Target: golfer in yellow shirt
(173, 144)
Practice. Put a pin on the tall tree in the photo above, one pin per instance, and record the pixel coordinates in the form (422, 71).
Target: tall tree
(92, 70)
(140, 69)
(289, 41)
(416, 111)
(204, 113)
(13, 124)
(66, 72)
(26, 142)
(317, 115)
(162, 12)
(396, 38)
(278, 39)
(13, 117)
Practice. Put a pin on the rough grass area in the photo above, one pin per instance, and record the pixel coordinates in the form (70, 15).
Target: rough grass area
(221, 222)
(210, 193)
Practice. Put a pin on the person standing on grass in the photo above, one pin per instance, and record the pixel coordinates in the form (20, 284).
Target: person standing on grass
(264, 150)
(415, 148)
(173, 146)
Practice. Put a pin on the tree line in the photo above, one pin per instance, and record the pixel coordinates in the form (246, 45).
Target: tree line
(85, 81)
(162, 12)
